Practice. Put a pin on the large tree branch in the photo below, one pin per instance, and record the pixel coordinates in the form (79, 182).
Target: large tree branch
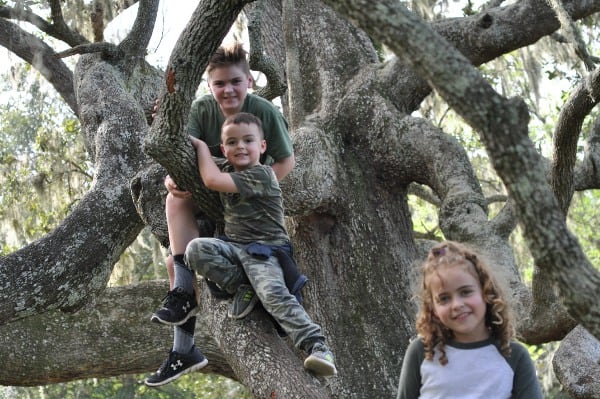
(587, 175)
(481, 38)
(577, 364)
(37, 53)
(57, 29)
(566, 135)
(103, 223)
(308, 60)
(89, 343)
(267, 52)
(135, 43)
(503, 127)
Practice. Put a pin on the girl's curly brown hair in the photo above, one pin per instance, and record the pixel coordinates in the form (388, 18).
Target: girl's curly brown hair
(498, 318)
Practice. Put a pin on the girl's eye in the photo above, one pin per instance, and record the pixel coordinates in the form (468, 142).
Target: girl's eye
(442, 299)
(466, 292)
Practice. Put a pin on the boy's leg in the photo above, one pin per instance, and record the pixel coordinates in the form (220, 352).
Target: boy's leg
(267, 279)
(181, 222)
(218, 261)
(184, 358)
(181, 301)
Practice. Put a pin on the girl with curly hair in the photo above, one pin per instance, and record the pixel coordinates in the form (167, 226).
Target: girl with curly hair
(466, 346)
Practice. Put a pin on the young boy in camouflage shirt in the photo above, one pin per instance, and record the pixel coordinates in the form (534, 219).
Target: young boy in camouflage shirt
(254, 226)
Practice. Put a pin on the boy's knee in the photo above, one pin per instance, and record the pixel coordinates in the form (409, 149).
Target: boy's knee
(195, 254)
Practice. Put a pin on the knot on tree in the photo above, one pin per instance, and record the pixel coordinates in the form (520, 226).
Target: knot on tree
(485, 21)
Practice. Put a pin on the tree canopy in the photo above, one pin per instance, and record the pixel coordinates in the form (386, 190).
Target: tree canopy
(364, 146)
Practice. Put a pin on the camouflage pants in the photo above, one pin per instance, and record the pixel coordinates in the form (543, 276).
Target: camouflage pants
(225, 262)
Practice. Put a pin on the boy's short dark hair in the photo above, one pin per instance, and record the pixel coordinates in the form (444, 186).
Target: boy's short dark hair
(246, 118)
(228, 55)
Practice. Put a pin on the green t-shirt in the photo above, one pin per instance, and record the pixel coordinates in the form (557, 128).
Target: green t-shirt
(206, 119)
(255, 213)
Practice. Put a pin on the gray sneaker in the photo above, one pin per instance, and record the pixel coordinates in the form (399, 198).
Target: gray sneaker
(243, 302)
(321, 361)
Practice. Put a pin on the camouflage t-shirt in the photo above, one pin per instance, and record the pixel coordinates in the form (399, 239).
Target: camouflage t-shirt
(255, 213)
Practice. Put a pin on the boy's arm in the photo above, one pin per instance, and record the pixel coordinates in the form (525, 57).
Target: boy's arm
(212, 176)
(283, 167)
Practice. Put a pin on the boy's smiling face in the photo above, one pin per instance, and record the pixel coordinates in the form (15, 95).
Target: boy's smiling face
(229, 86)
(242, 145)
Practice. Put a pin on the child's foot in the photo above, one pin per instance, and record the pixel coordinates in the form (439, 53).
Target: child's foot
(178, 307)
(243, 302)
(176, 365)
(321, 361)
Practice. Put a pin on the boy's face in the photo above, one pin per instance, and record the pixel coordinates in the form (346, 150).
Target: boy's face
(242, 145)
(229, 86)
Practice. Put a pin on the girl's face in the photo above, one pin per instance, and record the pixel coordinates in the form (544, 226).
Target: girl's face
(229, 86)
(458, 303)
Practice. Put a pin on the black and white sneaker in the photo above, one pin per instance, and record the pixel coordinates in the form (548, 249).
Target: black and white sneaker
(175, 366)
(178, 306)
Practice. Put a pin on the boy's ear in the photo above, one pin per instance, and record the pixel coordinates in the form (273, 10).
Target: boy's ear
(263, 146)
(250, 81)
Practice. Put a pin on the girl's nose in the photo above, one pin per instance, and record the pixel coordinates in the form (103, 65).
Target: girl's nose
(457, 302)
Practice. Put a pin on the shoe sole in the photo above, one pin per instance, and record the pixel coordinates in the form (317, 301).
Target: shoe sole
(246, 311)
(320, 367)
(157, 319)
(193, 368)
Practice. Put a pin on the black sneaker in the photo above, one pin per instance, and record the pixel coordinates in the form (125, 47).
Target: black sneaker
(321, 361)
(178, 307)
(177, 365)
(243, 302)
